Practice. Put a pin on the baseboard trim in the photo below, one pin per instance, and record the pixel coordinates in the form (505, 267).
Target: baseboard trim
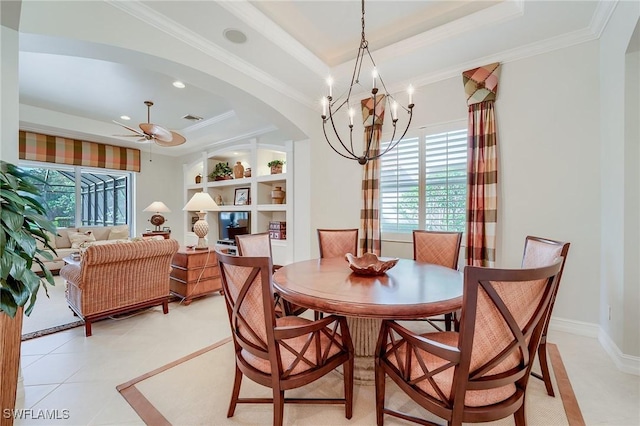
(579, 328)
(625, 363)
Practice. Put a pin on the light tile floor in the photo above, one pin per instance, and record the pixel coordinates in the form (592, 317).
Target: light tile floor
(68, 371)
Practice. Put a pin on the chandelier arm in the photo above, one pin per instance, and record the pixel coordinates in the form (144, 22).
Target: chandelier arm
(389, 147)
(392, 146)
(324, 129)
(337, 136)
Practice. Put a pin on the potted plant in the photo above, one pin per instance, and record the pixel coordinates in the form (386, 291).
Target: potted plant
(25, 234)
(276, 166)
(221, 171)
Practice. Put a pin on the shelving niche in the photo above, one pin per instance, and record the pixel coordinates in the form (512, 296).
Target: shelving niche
(260, 184)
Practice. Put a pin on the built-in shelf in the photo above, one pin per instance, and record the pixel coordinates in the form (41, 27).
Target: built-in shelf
(260, 184)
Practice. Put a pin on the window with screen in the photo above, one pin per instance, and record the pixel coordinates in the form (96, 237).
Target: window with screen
(74, 196)
(423, 183)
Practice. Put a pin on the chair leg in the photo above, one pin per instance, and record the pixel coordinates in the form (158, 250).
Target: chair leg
(448, 319)
(237, 381)
(544, 367)
(347, 370)
(87, 327)
(519, 416)
(380, 390)
(165, 306)
(278, 407)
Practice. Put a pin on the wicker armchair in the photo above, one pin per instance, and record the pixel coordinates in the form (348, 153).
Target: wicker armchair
(118, 278)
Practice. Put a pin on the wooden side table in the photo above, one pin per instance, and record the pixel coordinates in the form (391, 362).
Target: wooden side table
(165, 234)
(194, 273)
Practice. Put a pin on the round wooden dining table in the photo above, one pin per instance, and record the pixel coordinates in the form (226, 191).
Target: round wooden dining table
(409, 290)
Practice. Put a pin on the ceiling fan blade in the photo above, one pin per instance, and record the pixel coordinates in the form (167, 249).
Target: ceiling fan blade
(177, 139)
(156, 131)
(128, 136)
(145, 140)
(136, 131)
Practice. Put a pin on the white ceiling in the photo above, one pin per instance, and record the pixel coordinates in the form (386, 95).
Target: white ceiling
(83, 64)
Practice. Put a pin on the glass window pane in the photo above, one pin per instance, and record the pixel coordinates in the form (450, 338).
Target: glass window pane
(58, 191)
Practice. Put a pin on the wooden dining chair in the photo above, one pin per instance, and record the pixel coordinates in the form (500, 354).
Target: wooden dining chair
(440, 248)
(337, 242)
(480, 373)
(538, 251)
(279, 353)
(259, 245)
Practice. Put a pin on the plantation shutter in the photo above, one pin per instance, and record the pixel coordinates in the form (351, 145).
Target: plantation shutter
(446, 181)
(399, 183)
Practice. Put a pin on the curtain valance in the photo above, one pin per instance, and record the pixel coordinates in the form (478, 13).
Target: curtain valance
(55, 149)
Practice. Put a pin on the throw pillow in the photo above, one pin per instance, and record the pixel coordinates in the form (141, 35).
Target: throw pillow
(119, 232)
(77, 238)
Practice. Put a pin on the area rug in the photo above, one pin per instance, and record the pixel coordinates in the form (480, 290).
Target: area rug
(195, 390)
(50, 314)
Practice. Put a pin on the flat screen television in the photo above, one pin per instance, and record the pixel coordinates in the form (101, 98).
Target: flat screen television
(231, 224)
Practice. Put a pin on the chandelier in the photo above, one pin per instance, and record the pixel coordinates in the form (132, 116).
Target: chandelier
(331, 106)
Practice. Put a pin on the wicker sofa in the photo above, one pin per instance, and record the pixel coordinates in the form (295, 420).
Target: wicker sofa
(63, 245)
(117, 278)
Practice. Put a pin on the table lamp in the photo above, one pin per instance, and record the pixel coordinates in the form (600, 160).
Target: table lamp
(201, 202)
(157, 219)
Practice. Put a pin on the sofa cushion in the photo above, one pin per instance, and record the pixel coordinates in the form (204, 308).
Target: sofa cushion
(52, 241)
(99, 232)
(62, 237)
(120, 232)
(77, 238)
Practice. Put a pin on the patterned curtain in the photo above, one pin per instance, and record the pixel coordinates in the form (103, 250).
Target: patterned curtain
(370, 213)
(481, 86)
(55, 149)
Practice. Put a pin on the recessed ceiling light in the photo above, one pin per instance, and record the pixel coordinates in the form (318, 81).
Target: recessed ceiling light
(178, 84)
(125, 117)
(234, 36)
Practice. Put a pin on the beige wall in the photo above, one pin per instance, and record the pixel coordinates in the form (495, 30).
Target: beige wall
(159, 180)
(547, 135)
(8, 94)
(618, 279)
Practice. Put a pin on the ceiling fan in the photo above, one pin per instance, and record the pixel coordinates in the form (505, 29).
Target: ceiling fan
(154, 133)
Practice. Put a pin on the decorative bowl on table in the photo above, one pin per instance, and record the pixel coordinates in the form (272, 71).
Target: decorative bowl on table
(370, 264)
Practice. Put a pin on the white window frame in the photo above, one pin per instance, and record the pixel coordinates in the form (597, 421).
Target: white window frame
(421, 133)
(78, 170)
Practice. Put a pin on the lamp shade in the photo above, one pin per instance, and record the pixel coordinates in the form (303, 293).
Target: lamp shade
(201, 201)
(157, 206)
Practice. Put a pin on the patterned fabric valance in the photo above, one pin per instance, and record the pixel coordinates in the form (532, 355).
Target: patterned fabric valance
(55, 149)
(481, 84)
(367, 110)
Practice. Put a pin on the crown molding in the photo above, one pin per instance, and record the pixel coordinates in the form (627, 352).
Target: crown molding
(257, 20)
(248, 135)
(209, 122)
(601, 16)
(548, 45)
(149, 16)
(502, 12)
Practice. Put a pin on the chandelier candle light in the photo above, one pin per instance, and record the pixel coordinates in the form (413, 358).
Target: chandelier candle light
(157, 219)
(201, 202)
(331, 106)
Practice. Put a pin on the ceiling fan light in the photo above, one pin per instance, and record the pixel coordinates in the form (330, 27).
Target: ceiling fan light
(125, 117)
(178, 84)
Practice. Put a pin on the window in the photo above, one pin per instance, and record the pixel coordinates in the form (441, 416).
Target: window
(423, 183)
(105, 195)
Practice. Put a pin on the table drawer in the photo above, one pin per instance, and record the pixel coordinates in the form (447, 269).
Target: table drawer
(193, 274)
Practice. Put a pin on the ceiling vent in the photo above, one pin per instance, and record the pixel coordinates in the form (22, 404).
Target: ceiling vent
(192, 117)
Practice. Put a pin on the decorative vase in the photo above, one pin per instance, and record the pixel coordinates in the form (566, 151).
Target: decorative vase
(238, 170)
(247, 172)
(277, 195)
(276, 169)
(198, 178)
